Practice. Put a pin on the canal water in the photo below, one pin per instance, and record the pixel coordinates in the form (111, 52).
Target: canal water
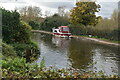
(77, 53)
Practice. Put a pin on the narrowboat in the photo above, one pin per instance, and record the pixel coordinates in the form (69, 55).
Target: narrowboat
(62, 31)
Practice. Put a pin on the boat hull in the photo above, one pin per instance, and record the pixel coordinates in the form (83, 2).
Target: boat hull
(62, 35)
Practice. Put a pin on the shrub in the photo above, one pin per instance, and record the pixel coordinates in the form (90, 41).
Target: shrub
(53, 21)
(13, 30)
(10, 25)
(18, 34)
(88, 30)
(29, 50)
(79, 30)
(34, 25)
(24, 33)
(8, 51)
(18, 68)
(16, 64)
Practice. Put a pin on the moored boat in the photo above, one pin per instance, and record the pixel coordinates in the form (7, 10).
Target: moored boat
(62, 31)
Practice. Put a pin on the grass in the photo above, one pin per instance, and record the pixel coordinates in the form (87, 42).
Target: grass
(104, 39)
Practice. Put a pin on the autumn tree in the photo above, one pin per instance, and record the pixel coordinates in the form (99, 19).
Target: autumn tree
(84, 13)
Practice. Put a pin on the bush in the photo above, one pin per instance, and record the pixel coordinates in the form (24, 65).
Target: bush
(29, 50)
(8, 51)
(24, 33)
(115, 35)
(18, 68)
(13, 30)
(79, 30)
(88, 30)
(16, 64)
(34, 25)
(10, 25)
(53, 21)
(18, 34)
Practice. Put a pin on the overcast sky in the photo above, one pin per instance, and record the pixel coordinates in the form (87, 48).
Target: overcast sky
(107, 6)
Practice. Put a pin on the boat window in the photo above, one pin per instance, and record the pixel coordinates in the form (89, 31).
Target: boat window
(55, 31)
(65, 29)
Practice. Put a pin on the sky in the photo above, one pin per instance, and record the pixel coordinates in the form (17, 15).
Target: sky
(107, 6)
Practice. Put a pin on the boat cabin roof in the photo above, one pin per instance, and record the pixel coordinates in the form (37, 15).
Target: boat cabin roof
(63, 26)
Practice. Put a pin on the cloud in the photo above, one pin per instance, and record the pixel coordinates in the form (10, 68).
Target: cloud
(107, 8)
(52, 5)
(68, 5)
(107, 0)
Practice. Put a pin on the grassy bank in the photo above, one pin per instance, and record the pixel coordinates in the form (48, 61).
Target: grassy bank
(103, 39)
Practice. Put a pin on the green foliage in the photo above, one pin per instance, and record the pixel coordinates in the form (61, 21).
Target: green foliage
(106, 28)
(78, 29)
(18, 34)
(24, 33)
(34, 25)
(10, 24)
(8, 51)
(107, 24)
(84, 13)
(53, 21)
(17, 64)
(42, 63)
(13, 30)
(29, 50)
(104, 33)
(18, 68)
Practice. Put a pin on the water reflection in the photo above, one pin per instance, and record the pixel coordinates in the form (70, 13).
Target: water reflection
(80, 53)
(106, 60)
(77, 53)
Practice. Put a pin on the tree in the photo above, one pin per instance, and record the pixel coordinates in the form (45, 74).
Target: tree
(114, 16)
(61, 10)
(30, 13)
(119, 15)
(84, 13)
(47, 13)
(13, 30)
(53, 21)
(34, 25)
(17, 34)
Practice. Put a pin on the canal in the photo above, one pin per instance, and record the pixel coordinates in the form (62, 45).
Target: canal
(77, 53)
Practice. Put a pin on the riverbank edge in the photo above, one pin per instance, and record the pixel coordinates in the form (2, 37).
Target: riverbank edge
(88, 38)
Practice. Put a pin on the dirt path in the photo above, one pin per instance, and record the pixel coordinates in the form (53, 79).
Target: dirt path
(42, 31)
(100, 41)
(93, 39)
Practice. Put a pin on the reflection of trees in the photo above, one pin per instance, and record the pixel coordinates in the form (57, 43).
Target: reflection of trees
(107, 50)
(80, 53)
(51, 41)
(106, 58)
(44, 38)
(47, 39)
